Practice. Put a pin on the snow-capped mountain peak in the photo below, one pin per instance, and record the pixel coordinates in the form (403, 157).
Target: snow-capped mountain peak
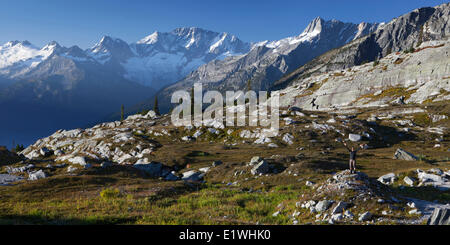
(167, 57)
(315, 26)
(51, 47)
(150, 39)
(17, 57)
(110, 48)
(106, 44)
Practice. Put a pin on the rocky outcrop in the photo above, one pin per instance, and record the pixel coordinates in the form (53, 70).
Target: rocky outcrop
(400, 34)
(417, 77)
(404, 155)
(323, 205)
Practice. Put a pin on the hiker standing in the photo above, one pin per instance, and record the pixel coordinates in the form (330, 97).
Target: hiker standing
(313, 103)
(352, 162)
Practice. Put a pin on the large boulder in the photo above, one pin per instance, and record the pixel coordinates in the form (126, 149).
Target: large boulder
(424, 177)
(37, 175)
(149, 115)
(288, 139)
(409, 180)
(354, 137)
(255, 160)
(197, 134)
(365, 216)
(154, 169)
(192, 175)
(440, 216)
(323, 205)
(33, 154)
(388, 179)
(436, 171)
(261, 168)
(78, 160)
(45, 152)
(171, 176)
(339, 208)
(404, 155)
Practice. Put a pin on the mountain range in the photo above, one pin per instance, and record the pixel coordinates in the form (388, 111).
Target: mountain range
(268, 61)
(64, 87)
(53, 87)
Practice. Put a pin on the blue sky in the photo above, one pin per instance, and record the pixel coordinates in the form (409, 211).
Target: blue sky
(84, 22)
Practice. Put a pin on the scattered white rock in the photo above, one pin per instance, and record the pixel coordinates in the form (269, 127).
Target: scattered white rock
(78, 160)
(192, 175)
(409, 180)
(425, 177)
(365, 216)
(45, 152)
(204, 170)
(309, 183)
(388, 179)
(71, 169)
(415, 211)
(339, 208)
(37, 175)
(197, 134)
(348, 214)
(337, 217)
(288, 139)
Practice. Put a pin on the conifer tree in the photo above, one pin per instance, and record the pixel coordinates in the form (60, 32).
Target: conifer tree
(122, 112)
(155, 106)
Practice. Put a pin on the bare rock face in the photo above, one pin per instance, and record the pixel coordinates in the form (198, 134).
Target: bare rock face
(415, 77)
(404, 155)
(402, 33)
(440, 216)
